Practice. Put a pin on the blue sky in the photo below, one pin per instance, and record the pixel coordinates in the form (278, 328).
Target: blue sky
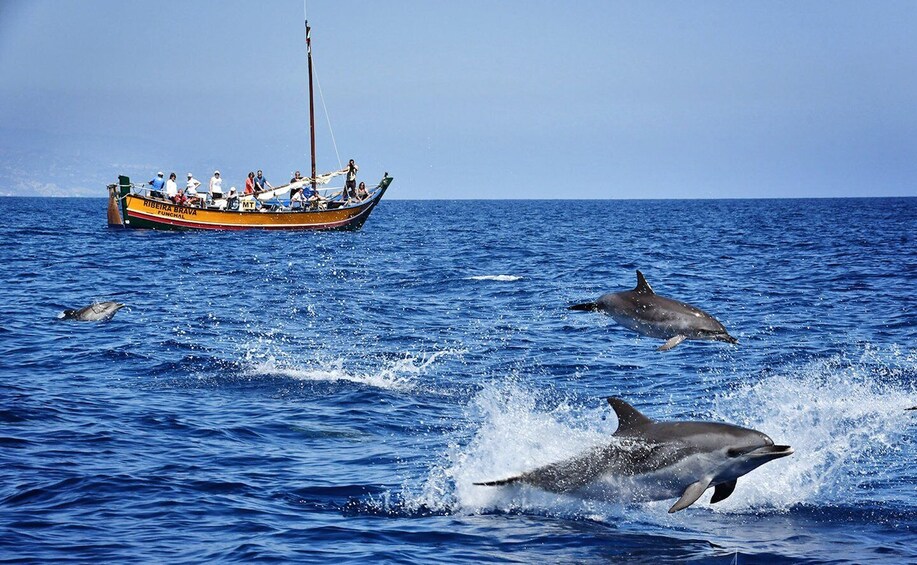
(470, 99)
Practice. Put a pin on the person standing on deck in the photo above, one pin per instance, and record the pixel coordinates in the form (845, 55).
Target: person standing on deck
(216, 186)
(350, 187)
(250, 183)
(261, 183)
(157, 184)
(171, 188)
(191, 189)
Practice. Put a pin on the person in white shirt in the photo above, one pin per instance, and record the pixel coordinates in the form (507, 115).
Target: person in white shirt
(191, 189)
(171, 188)
(216, 186)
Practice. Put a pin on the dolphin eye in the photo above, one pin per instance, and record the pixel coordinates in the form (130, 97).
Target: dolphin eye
(732, 452)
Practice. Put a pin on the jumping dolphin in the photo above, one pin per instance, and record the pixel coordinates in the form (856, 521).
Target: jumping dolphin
(96, 312)
(658, 460)
(649, 314)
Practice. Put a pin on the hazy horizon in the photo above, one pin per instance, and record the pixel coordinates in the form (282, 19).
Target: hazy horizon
(534, 100)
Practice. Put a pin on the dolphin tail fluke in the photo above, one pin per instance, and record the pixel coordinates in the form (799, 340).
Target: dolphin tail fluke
(690, 496)
(499, 483)
(584, 307)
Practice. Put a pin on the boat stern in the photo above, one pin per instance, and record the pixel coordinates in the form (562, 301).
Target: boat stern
(116, 194)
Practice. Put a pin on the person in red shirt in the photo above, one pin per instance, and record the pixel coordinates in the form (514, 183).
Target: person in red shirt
(250, 183)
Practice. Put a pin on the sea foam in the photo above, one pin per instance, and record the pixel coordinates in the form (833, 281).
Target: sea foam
(839, 415)
(500, 278)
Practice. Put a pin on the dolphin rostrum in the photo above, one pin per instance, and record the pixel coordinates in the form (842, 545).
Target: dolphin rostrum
(649, 314)
(95, 312)
(651, 460)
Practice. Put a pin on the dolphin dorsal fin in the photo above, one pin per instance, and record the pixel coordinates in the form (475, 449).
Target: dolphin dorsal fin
(628, 416)
(643, 287)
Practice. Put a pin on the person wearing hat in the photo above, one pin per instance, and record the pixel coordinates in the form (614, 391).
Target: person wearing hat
(156, 185)
(232, 201)
(191, 189)
(216, 186)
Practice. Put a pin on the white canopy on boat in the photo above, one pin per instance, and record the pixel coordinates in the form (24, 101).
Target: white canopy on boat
(266, 195)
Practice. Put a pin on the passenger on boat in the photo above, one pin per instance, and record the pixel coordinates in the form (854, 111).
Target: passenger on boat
(191, 190)
(296, 193)
(156, 185)
(250, 183)
(261, 183)
(216, 186)
(361, 192)
(316, 200)
(171, 187)
(297, 199)
(232, 201)
(350, 187)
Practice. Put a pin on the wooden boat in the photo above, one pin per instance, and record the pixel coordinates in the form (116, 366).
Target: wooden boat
(136, 210)
(137, 206)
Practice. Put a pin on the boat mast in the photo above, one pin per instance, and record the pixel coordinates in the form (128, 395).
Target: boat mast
(311, 102)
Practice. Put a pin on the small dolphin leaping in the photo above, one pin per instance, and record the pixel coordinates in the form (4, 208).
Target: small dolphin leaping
(95, 312)
(657, 460)
(649, 314)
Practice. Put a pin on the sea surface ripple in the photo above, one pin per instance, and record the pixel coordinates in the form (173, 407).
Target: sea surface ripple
(316, 396)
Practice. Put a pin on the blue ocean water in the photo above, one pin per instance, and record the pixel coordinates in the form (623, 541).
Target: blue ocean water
(332, 396)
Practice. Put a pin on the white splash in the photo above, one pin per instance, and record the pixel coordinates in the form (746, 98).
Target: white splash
(500, 278)
(398, 374)
(843, 420)
(514, 435)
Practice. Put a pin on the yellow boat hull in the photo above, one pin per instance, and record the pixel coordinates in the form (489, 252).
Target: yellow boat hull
(149, 213)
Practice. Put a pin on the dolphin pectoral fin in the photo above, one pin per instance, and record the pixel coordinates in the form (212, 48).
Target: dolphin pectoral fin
(584, 307)
(690, 496)
(671, 343)
(722, 491)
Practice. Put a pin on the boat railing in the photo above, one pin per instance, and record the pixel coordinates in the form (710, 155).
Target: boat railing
(326, 193)
(142, 189)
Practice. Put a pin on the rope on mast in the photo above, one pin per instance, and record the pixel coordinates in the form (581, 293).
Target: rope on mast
(327, 117)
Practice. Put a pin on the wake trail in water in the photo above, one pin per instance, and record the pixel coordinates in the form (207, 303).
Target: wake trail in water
(499, 278)
(401, 374)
